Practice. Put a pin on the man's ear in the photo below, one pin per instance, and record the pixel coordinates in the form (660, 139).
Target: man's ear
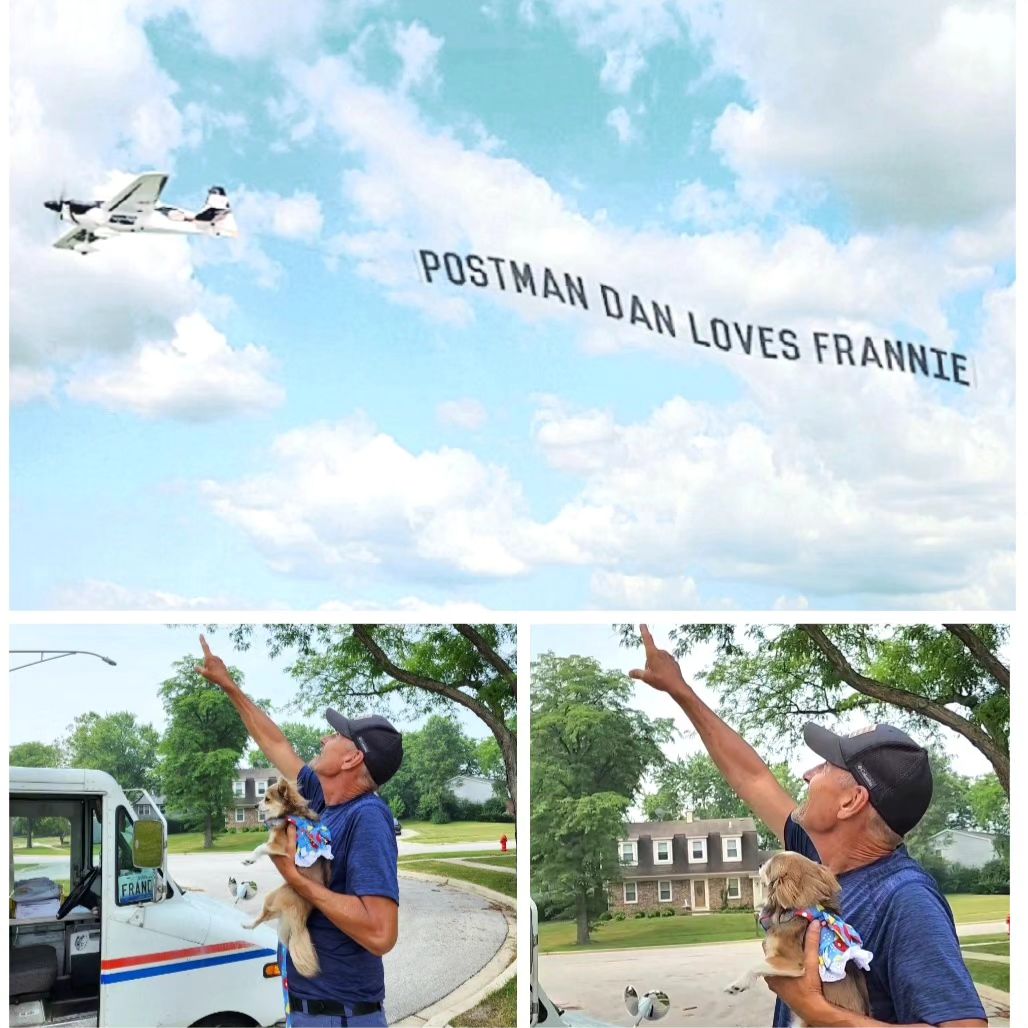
(857, 800)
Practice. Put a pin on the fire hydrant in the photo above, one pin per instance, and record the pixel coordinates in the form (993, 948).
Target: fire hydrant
(503, 843)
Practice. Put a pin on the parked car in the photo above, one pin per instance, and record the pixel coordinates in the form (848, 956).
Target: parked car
(396, 827)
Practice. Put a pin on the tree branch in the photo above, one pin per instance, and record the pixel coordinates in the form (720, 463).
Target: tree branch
(911, 701)
(490, 655)
(988, 660)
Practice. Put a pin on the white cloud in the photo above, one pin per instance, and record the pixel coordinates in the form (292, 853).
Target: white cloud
(838, 95)
(705, 207)
(28, 384)
(418, 51)
(791, 603)
(98, 594)
(464, 413)
(620, 68)
(638, 592)
(196, 376)
(621, 122)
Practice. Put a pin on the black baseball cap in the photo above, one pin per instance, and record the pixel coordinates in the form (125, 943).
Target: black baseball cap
(376, 738)
(887, 762)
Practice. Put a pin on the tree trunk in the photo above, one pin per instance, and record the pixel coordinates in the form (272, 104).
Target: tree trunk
(29, 820)
(981, 741)
(581, 918)
(988, 660)
(208, 833)
(509, 749)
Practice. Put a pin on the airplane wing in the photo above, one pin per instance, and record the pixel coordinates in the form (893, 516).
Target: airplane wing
(71, 240)
(140, 196)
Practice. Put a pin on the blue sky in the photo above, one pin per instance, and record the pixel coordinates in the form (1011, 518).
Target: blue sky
(294, 419)
(46, 698)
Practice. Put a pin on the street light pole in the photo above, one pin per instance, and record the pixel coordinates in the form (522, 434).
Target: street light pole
(56, 655)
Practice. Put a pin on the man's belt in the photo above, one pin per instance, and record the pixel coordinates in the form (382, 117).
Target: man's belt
(333, 1009)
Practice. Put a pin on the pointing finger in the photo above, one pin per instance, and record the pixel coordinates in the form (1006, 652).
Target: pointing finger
(206, 648)
(646, 638)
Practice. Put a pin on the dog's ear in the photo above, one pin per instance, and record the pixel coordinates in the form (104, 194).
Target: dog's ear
(829, 891)
(785, 881)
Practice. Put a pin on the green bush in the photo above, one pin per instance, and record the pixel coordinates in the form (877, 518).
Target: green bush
(668, 912)
(638, 914)
(605, 916)
(653, 913)
(619, 916)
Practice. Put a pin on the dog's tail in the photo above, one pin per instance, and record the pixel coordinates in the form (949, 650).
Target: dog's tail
(302, 953)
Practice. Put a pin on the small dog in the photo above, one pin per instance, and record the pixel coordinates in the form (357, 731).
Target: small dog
(793, 883)
(281, 803)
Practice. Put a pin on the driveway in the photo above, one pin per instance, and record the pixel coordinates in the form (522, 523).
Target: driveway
(692, 976)
(446, 935)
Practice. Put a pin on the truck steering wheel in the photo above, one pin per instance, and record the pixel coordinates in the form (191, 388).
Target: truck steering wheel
(76, 894)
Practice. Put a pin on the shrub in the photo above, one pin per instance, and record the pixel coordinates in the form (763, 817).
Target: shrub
(668, 912)
(619, 916)
(639, 913)
(605, 916)
(653, 913)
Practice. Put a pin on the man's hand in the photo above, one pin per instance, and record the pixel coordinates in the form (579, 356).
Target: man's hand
(286, 863)
(804, 996)
(214, 669)
(662, 670)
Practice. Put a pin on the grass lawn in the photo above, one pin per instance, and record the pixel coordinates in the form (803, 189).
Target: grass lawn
(41, 847)
(1001, 949)
(498, 1010)
(500, 859)
(458, 831)
(968, 909)
(412, 858)
(985, 972)
(500, 881)
(192, 842)
(994, 937)
(681, 930)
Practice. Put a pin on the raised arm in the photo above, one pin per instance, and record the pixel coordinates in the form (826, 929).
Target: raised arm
(735, 758)
(264, 732)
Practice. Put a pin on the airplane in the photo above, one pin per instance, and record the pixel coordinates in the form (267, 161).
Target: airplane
(137, 208)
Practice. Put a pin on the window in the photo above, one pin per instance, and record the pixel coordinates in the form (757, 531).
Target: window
(733, 889)
(239, 789)
(731, 847)
(260, 815)
(240, 815)
(262, 788)
(133, 885)
(664, 892)
(698, 850)
(629, 852)
(631, 893)
(662, 851)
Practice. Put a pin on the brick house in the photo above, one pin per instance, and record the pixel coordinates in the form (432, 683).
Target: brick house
(693, 866)
(248, 787)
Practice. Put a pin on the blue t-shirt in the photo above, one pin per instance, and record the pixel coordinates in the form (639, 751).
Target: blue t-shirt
(363, 864)
(917, 974)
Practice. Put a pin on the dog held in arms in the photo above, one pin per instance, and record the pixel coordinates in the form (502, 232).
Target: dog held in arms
(797, 888)
(283, 803)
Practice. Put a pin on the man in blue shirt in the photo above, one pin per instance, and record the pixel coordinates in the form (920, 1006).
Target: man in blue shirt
(355, 919)
(871, 789)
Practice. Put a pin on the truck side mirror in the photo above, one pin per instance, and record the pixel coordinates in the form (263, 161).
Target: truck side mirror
(148, 843)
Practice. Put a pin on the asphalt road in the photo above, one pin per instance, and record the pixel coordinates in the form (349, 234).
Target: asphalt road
(446, 935)
(694, 978)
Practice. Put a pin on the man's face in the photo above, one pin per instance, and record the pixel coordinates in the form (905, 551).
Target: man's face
(337, 754)
(828, 787)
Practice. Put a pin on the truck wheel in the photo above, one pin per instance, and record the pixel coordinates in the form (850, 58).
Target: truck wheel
(228, 1019)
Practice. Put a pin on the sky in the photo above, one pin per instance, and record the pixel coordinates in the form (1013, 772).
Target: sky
(301, 419)
(601, 643)
(46, 698)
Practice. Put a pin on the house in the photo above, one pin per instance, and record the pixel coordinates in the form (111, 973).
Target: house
(471, 788)
(961, 846)
(248, 787)
(689, 865)
(144, 809)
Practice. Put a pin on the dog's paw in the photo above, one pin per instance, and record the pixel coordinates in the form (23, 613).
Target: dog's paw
(736, 987)
(249, 860)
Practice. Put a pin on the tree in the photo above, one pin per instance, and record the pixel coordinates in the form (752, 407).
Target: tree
(589, 753)
(117, 744)
(950, 806)
(202, 744)
(33, 754)
(305, 739)
(432, 756)
(425, 668)
(696, 784)
(772, 678)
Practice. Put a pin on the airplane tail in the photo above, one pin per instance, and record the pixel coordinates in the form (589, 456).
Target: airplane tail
(218, 211)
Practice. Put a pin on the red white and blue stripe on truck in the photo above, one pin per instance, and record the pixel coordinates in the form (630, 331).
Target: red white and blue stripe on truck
(150, 965)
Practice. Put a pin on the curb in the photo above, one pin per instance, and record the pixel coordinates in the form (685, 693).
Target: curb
(496, 973)
(993, 995)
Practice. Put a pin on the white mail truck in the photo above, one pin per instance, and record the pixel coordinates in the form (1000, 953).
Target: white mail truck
(100, 934)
